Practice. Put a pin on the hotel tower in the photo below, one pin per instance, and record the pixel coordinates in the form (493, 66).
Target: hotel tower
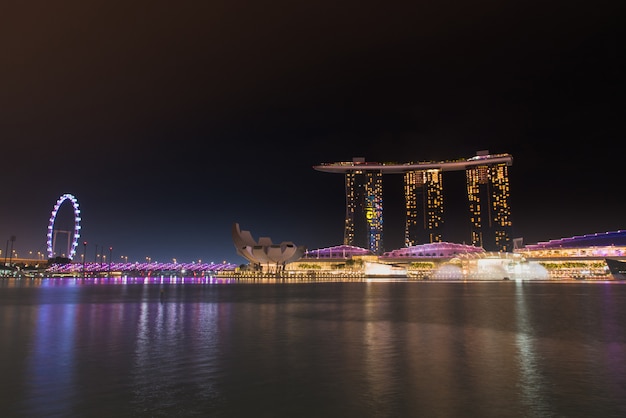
(488, 195)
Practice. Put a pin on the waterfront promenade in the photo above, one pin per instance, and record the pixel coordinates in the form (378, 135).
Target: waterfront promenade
(556, 268)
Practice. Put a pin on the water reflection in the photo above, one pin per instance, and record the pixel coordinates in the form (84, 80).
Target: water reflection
(85, 281)
(51, 361)
(613, 354)
(379, 345)
(358, 349)
(174, 340)
(531, 383)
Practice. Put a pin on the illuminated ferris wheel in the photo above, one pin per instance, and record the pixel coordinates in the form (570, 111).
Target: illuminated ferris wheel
(72, 236)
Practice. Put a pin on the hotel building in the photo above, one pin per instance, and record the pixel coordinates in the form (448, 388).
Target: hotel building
(488, 198)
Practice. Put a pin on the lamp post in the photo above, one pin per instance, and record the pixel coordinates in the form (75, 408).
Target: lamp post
(11, 255)
(148, 271)
(110, 259)
(84, 256)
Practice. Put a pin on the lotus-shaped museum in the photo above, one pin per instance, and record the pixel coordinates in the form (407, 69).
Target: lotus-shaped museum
(264, 252)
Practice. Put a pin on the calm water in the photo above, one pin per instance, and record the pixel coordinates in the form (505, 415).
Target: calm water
(73, 348)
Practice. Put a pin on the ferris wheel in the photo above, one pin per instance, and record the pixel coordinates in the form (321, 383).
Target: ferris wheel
(72, 236)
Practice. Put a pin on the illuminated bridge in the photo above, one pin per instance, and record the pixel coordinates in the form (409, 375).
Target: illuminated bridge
(139, 269)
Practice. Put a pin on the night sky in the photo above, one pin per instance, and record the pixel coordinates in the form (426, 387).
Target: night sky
(170, 121)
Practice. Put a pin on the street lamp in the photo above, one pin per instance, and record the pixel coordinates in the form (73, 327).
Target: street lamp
(84, 256)
(12, 251)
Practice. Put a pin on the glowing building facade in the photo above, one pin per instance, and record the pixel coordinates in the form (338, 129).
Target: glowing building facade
(364, 210)
(488, 194)
(423, 196)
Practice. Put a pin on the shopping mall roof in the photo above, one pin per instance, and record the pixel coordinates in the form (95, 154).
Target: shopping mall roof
(600, 239)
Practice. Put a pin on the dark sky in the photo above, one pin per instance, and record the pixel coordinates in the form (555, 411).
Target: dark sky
(170, 121)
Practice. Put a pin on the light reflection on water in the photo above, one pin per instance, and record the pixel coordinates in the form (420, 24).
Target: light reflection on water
(74, 347)
(531, 384)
